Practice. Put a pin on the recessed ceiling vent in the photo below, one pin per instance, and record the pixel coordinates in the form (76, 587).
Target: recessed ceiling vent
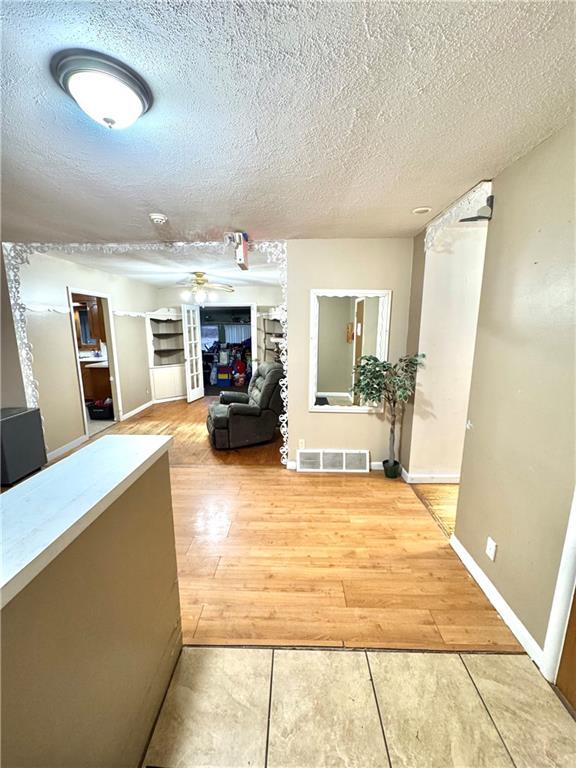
(328, 460)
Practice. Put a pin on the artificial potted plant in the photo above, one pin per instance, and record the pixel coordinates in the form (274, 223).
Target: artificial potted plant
(378, 381)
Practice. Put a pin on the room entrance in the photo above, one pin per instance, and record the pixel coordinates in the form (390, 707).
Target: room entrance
(228, 347)
(94, 344)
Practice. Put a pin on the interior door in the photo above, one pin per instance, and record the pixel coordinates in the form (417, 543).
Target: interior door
(566, 680)
(192, 352)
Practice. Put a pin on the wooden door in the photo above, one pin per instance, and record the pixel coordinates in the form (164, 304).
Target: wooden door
(566, 680)
(192, 352)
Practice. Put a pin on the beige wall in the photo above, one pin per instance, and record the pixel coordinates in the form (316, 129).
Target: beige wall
(263, 295)
(88, 647)
(449, 317)
(518, 467)
(12, 387)
(413, 337)
(133, 361)
(376, 264)
(44, 283)
(334, 352)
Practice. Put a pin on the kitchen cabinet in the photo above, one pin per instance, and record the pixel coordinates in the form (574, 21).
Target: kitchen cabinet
(96, 381)
(89, 321)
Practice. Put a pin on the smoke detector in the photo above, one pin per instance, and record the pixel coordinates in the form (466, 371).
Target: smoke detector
(158, 218)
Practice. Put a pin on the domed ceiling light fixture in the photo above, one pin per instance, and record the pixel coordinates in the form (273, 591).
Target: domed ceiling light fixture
(108, 91)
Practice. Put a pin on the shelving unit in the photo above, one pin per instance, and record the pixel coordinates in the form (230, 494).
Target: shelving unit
(269, 336)
(167, 341)
(166, 355)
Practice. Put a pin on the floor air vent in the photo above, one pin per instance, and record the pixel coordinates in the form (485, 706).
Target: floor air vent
(324, 460)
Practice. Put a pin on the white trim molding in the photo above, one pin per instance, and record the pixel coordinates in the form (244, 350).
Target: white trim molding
(137, 410)
(467, 205)
(517, 628)
(422, 477)
(57, 452)
(561, 602)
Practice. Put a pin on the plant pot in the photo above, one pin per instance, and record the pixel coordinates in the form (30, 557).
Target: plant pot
(392, 469)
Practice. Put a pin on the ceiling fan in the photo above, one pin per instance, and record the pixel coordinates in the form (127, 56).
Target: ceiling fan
(199, 286)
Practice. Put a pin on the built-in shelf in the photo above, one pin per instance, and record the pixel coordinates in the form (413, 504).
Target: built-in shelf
(167, 342)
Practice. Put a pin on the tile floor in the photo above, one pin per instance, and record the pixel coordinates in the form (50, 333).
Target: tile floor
(242, 707)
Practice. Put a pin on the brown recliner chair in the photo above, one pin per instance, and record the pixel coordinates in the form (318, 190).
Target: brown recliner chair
(241, 419)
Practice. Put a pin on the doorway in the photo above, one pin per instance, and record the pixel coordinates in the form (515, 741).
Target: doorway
(228, 347)
(449, 261)
(94, 346)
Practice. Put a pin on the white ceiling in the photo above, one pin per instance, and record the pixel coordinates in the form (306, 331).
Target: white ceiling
(168, 265)
(285, 119)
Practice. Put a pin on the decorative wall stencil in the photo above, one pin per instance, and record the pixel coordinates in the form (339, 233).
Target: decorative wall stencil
(467, 205)
(63, 309)
(15, 255)
(18, 254)
(277, 252)
(121, 313)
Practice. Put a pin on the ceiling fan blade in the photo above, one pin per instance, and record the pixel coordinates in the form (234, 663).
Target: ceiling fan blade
(219, 287)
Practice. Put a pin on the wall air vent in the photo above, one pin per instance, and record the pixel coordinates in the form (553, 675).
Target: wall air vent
(329, 460)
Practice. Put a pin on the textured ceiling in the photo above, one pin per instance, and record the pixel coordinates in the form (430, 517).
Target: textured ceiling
(284, 119)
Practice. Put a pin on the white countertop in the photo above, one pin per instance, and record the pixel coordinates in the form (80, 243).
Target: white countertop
(98, 365)
(93, 359)
(46, 512)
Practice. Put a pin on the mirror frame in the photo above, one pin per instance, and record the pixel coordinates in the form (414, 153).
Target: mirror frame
(382, 341)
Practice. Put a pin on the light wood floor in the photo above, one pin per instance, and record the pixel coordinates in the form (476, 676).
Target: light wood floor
(441, 500)
(186, 422)
(272, 557)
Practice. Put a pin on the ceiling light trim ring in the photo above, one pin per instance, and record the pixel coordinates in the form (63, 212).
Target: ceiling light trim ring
(66, 63)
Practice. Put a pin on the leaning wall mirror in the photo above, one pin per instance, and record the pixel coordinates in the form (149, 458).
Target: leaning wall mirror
(344, 326)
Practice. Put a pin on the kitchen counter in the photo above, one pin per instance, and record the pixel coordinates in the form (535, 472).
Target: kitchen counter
(98, 365)
(90, 620)
(42, 515)
(94, 359)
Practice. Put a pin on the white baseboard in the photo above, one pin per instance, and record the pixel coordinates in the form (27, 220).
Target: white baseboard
(418, 477)
(136, 410)
(518, 629)
(291, 464)
(57, 452)
(168, 399)
(377, 466)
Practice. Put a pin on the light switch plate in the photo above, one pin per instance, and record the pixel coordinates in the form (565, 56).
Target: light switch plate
(491, 548)
(301, 444)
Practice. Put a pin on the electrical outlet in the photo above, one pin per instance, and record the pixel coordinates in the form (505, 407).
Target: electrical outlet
(301, 444)
(491, 548)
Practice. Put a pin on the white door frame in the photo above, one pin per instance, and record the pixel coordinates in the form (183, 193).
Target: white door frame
(110, 347)
(562, 601)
